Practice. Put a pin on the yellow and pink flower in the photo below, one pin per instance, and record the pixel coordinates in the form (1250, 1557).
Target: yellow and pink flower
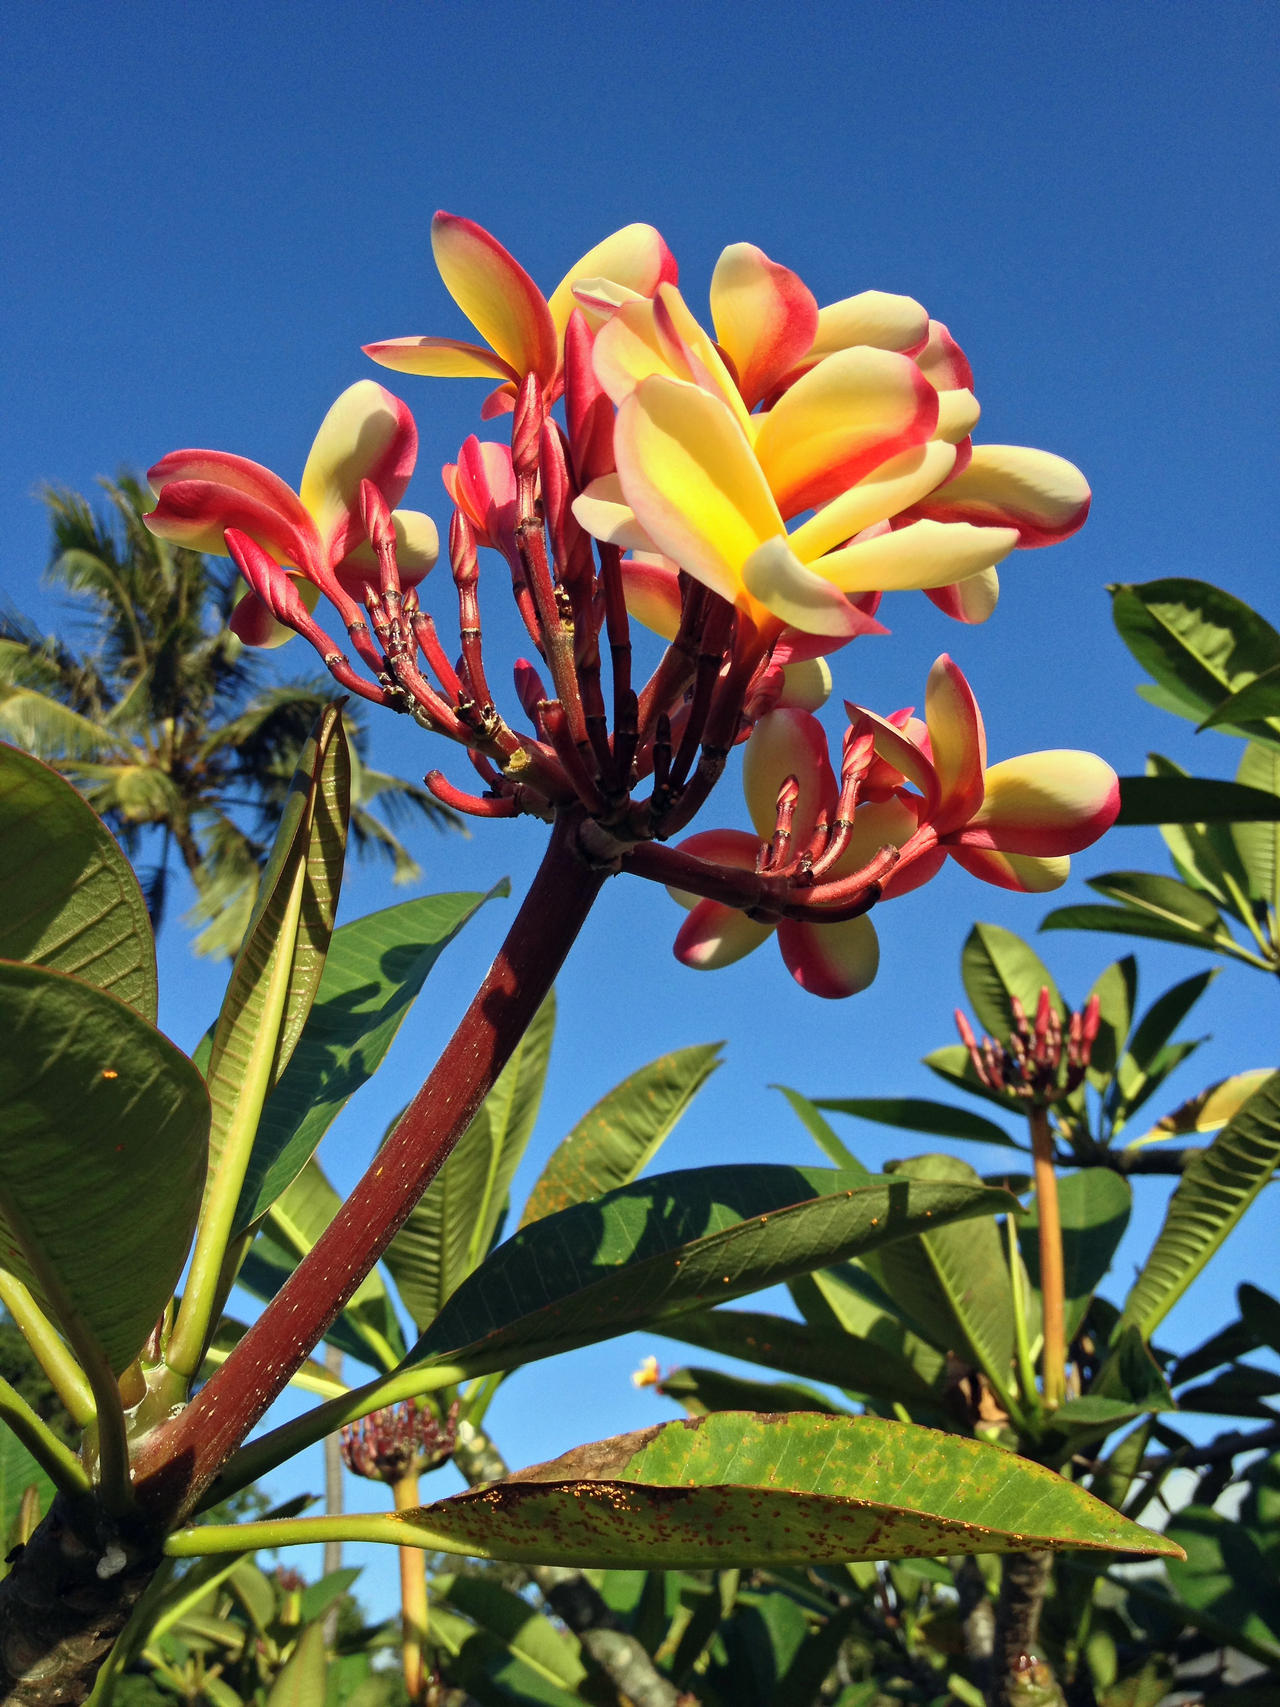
(316, 532)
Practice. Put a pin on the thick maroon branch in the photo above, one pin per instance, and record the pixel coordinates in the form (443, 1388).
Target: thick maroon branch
(179, 1460)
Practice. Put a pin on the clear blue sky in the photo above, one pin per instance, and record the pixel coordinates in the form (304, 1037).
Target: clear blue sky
(207, 210)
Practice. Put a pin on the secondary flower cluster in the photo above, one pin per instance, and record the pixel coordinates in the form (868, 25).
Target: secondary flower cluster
(750, 493)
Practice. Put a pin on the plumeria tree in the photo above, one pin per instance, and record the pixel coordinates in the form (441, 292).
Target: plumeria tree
(751, 496)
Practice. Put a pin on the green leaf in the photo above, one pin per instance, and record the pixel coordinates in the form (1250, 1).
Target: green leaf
(1180, 799)
(1094, 1205)
(1258, 844)
(1226, 1575)
(1093, 1412)
(1256, 702)
(1163, 897)
(952, 1064)
(103, 1160)
(671, 1243)
(367, 1329)
(1215, 1190)
(847, 1302)
(1236, 1392)
(1116, 989)
(1200, 643)
(18, 1472)
(737, 1488)
(822, 1133)
(1163, 1018)
(451, 1229)
(998, 966)
(952, 1286)
(1131, 921)
(68, 897)
(301, 1682)
(813, 1351)
(1204, 853)
(701, 1391)
(527, 1633)
(1260, 1313)
(372, 974)
(918, 1114)
(288, 935)
(616, 1140)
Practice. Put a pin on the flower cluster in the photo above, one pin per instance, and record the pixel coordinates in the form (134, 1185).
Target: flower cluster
(750, 493)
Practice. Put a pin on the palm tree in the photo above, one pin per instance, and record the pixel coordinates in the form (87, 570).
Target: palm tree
(162, 720)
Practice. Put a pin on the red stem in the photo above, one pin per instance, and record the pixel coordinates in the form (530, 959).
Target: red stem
(181, 1458)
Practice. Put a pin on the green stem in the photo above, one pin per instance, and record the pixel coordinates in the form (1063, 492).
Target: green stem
(179, 1460)
(204, 1288)
(208, 1538)
(1022, 1345)
(57, 1461)
(48, 1348)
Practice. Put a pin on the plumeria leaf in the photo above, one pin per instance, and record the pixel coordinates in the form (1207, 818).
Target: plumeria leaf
(552, 1653)
(1094, 1204)
(1116, 989)
(18, 1472)
(68, 896)
(372, 973)
(702, 1391)
(616, 1140)
(1154, 906)
(918, 1114)
(823, 1133)
(996, 966)
(1258, 844)
(1150, 1037)
(1200, 643)
(451, 1229)
(1175, 798)
(952, 1064)
(1260, 1313)
(953, 1291)
(1227, 1580)
(848, 1300)
(815, 1351)
(1204, 854)
(737, 1488)
(106, 1128)
(1215, 1190)
(1256, 702)
(666, 1244)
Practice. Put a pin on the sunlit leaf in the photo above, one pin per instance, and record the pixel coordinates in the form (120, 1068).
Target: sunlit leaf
(1199, 642)
(105, 1139)
(68, 896)
(997, 967)
(918, 1114)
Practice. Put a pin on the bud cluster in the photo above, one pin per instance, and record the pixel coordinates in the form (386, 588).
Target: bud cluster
(1041, 1062)
(399, 1441)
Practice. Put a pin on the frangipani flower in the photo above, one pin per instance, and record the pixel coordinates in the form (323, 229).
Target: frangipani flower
(367, 435)
(771, 337)
(522, 329)
(1012, 824)
(852, 436)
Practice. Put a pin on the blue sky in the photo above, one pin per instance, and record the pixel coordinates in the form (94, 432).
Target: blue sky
(209, 209)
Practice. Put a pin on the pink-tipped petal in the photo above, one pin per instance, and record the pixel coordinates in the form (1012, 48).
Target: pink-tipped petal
(925, 554)
(969, 601)
(715, 935)
(1045, 804)
(788, 743)
(1022, 872)
(806, 684)
(943, 362)
(794, 596)
(496, 294)
(902, 754)
(219, 470)
(736, 848)
(367, 435)
(691, 480)
(439, 358)
(679, 328)
(958, 743)
(632, 348)
(844, 418)
(635, 258)
(764, 315)
(196, 514)
(1044, 496)
(874, 317)
(252, 622)
(651, 587)
(606, 514)
(833, 961)
(884, 492)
